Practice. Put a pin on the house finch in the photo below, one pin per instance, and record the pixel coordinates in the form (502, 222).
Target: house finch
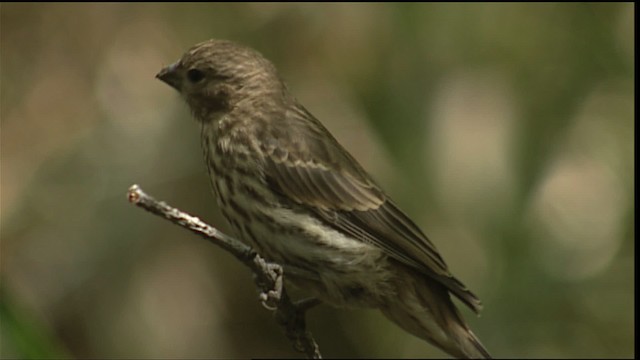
(288, 188)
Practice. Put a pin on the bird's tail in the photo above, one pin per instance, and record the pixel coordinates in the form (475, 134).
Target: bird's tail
(424, 308)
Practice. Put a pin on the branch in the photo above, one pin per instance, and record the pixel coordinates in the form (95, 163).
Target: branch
(289, 315)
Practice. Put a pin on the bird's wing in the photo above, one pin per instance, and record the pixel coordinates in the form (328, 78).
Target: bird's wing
(312, 169)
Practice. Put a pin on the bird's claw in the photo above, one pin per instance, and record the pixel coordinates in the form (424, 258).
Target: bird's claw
(269, 299)
(271, 289)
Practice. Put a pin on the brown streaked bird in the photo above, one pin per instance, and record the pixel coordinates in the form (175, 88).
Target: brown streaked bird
(288, 188)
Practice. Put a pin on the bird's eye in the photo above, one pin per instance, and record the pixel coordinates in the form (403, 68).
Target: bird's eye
(195, 75)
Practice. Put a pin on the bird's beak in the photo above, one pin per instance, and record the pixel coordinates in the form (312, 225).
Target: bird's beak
(170, 76)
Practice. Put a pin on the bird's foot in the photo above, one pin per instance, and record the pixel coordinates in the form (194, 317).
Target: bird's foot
(270, 288)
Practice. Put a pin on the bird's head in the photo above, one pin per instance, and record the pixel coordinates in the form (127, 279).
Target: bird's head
(215, 75)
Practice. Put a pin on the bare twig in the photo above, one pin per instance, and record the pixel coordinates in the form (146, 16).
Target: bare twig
(289, 315)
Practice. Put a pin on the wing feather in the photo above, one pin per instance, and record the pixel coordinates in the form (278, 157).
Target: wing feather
(321, 175)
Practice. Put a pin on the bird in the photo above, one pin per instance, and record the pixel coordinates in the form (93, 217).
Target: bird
(289, 189)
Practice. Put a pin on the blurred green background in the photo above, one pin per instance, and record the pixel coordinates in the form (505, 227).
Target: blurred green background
(504, 130)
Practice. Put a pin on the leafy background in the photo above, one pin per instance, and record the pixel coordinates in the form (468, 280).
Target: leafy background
(504, 130)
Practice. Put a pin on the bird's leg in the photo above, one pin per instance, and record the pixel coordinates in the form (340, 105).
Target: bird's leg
(290, 315)
(271, 288)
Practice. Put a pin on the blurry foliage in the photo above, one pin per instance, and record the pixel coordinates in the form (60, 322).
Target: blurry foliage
(505, 130)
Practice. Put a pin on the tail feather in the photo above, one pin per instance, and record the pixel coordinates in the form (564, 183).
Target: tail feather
(424, 308)
(473, 343)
